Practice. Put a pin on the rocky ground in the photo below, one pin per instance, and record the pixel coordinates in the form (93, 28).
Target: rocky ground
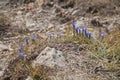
(60, 57)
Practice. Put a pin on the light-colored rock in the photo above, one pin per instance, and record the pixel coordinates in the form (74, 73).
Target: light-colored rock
(30, 22)
(29, 78)
(1, 73)
(50, 57)
(4, 47)
(19, 12)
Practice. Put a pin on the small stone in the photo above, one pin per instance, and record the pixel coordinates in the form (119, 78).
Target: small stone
(4, 48)
(1, 73)
(29, 78)
(50, 57)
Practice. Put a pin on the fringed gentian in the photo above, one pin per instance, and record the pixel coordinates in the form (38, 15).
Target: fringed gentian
(50, 36)
(88, 34)
(20, 54)
(27, 41)
(84, 30)
(103, 35)
(77, 30)
(81, 30)
(33, 38)
(20, 47)
(74, 25)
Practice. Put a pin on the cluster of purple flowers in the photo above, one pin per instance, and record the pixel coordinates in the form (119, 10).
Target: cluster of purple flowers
(81, 30)
(84, 31)
(20, 51)
(21, 47)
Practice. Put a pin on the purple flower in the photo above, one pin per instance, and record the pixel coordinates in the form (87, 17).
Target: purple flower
(79, 29)
(74, 25)
(27, 41)
(84, 29)
(20, 47)
(20, 54)
(103, 35)
(33, 38)
(88, 34)
(50, 35)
